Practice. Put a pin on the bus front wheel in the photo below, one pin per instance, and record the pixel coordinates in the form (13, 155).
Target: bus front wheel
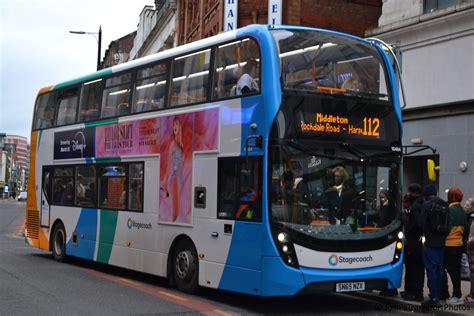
(186, 267)
(59, 243)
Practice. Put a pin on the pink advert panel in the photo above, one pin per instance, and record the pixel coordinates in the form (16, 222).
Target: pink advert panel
(175, 138)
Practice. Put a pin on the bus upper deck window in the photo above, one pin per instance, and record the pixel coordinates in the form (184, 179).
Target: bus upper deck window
(237, 70)
(45, 109)
(67, 110)
(116, 95)
(190, 78)
(91, 98)
(150, 89)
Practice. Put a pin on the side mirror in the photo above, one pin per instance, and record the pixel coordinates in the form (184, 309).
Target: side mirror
(432, 168)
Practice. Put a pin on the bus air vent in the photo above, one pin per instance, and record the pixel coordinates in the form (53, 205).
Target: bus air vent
(32, 224)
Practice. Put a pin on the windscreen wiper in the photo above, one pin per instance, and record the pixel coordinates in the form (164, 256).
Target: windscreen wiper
(351, 149)
(297, 145)
(372, 95)
(362, 155)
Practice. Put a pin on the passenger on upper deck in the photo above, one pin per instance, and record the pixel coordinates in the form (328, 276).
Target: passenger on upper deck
(247, 83)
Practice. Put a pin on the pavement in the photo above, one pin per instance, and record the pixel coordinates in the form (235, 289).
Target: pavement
(398, 304)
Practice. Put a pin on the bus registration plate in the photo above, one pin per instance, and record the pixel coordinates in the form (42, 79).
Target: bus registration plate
(350, 286)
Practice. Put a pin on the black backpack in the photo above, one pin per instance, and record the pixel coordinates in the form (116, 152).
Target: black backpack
(439, 217)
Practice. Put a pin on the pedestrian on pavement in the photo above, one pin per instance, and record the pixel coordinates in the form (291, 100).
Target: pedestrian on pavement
(435, 229)
(454, 247)
(469, 238)
(413, 260)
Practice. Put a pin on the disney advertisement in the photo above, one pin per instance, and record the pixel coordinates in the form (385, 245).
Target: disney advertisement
(78, 143)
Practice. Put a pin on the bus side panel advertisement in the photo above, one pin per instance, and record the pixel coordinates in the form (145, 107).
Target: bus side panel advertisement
(181, 135)
(206, 130)
(78, 143)
(176, 168)
(174, 138)
(129, 138)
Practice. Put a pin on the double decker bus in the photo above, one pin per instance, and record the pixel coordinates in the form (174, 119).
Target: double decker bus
(264, 161)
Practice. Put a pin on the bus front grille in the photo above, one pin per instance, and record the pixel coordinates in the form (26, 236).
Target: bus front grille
(32, 224)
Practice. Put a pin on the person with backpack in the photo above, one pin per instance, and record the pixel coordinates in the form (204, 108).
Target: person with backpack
(469, 242)
(454, 246)
(434, 222)
(413, 260)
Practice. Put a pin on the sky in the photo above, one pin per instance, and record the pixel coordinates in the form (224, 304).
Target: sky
(37, 50)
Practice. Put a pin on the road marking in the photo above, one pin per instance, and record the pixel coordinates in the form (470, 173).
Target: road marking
(20, 228)
(221, 312)
(167, 295)
(179, 298)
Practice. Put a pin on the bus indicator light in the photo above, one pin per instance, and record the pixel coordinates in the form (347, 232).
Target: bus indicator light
(399, 245)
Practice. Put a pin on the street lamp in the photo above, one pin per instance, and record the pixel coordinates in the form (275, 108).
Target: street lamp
(98, 38)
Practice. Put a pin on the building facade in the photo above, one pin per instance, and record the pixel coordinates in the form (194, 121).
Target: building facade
(437, 43)
(171, 23)
(17, 152)
(118, 51)
(156, 29)
(203, 18)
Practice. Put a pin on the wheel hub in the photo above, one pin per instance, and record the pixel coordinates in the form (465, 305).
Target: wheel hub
(183, 264)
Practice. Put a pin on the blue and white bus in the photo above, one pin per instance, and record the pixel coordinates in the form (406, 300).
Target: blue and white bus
(264, 160)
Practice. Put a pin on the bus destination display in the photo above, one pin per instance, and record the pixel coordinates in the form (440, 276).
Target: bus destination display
(338, 125)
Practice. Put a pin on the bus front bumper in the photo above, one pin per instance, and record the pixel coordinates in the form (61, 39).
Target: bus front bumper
(278, 279)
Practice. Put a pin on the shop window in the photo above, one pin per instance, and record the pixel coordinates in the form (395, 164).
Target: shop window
(433, 5)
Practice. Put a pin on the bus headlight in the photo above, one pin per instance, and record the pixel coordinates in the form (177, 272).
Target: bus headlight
(286, 249)
(400, 235)
(282, 237)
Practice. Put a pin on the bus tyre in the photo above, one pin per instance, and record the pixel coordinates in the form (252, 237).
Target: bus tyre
(59, 243)
(186, 267)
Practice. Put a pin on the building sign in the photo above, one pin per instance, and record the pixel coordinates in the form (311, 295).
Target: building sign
(274, 12)
(230, 15)
(79, 143)
(331, 124)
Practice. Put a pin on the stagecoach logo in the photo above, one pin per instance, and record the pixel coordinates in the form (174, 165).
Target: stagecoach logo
(333, 260)
(314, 162)
(131, 223)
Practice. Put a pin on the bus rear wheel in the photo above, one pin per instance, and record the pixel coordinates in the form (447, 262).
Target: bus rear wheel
(59, 243)
(186, 267)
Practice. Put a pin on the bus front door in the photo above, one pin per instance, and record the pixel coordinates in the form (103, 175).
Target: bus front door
(45, 196)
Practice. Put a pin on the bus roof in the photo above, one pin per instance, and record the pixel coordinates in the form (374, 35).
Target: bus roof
(252, 29)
